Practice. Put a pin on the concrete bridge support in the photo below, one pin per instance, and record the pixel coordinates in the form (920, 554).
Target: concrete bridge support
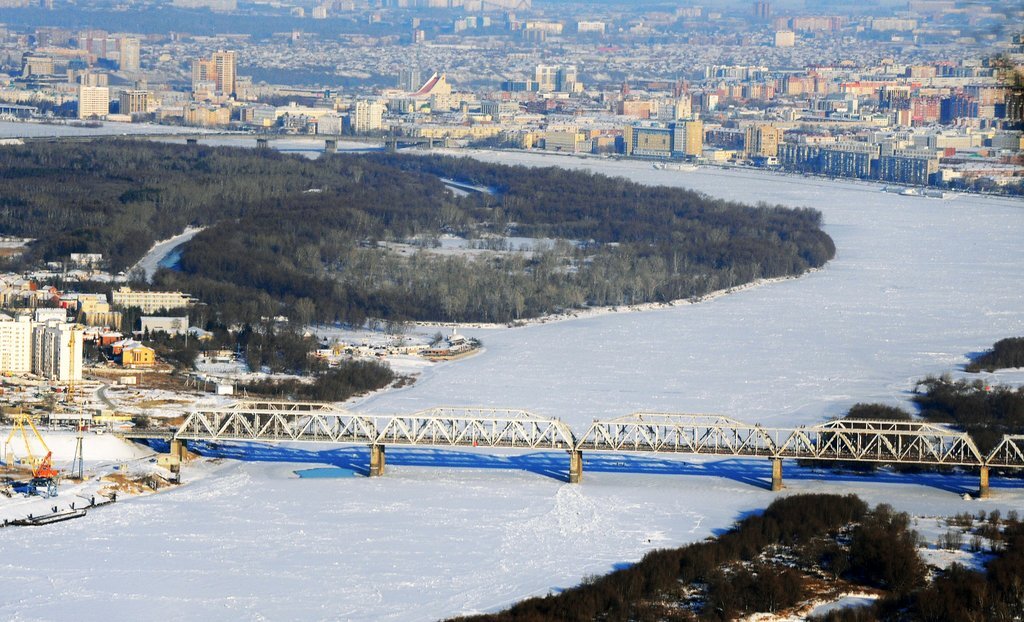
(177, 455)
(575, 466)
(776, 474)
(377, 460)
(983, 491)
(178, 448)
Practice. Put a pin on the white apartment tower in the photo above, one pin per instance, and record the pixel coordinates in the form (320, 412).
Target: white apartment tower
(93, 101)
(367, 117)
(15, 344)
(57, 351)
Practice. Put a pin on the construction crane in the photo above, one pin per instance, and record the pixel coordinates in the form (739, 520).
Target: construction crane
(78, 462)
(43, 473)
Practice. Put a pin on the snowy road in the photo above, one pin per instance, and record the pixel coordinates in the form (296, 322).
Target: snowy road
(916, 286)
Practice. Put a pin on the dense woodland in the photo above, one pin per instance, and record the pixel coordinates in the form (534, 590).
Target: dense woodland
(1005, 354)
(773, 561)
(985, 412)
(300, 237)
(337, 384)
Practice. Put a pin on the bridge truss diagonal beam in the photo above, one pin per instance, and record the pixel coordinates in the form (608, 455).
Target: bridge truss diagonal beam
(679, 433)
(1008, 453)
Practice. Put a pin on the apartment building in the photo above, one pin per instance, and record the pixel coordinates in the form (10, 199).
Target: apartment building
(15, 344)
(149, 302)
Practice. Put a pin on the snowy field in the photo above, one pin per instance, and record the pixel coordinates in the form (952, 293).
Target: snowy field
(917, 285)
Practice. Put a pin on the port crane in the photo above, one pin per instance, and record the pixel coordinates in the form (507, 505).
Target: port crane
(43, 473)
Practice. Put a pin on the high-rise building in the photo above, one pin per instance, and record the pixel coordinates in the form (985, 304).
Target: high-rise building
(688, 138)
(566, 80)
(218, 70)
(57, 351)
(761, 140)
(409, 79)
(546, 77)
(762, 10)
(957, 106)
(225, 63)
(93, 101)
(51, 349)
(135, 101)
(15, 344)
(129, 54)
(367, 117)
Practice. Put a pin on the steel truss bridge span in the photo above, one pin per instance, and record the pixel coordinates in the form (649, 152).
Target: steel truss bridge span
(843, 440)
(879, 442)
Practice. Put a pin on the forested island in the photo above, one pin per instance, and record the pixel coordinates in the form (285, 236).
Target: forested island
(1005, 354)
(309, 239)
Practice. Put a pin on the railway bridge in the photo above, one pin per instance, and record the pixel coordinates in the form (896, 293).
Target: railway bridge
(860, 441)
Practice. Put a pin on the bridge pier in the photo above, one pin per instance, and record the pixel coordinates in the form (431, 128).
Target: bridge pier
(330, 146)
(377, 460)
(575, 466)
(177, 455)
(983, 491)
(776, 474)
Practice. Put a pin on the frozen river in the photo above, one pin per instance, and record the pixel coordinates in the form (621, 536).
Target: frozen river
(917, 285)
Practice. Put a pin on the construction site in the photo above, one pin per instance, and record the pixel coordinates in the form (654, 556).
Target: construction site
(44, 476)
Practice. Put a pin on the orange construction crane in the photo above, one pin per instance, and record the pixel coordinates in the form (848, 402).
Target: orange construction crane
(45, 469)
(41, 467)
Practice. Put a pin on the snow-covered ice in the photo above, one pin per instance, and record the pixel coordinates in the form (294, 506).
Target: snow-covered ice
(154, 259)
(917, 285)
